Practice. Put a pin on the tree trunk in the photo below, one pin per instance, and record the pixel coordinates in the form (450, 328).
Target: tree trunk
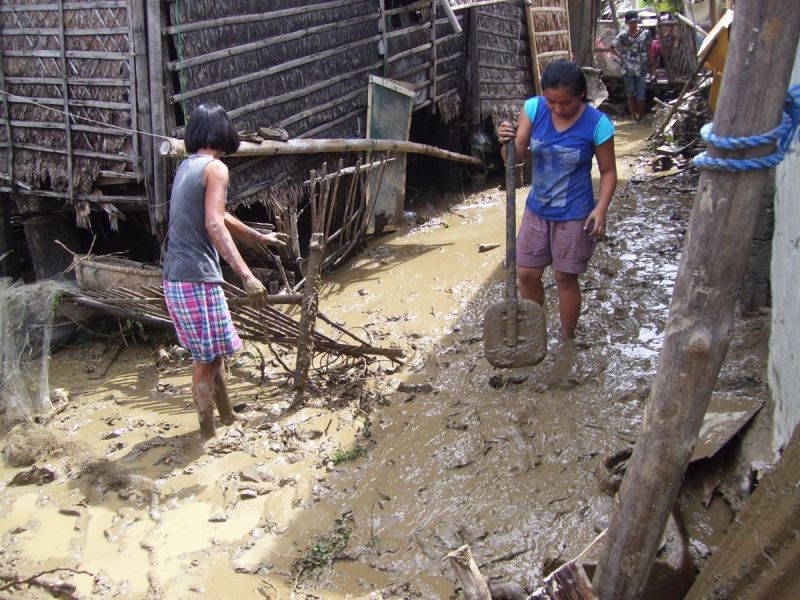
(763, 43)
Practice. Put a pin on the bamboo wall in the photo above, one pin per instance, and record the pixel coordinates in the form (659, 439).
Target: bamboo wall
(68, 57)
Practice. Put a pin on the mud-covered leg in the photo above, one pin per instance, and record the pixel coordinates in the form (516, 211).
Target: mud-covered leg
(569, 303)
(221, 398)
(203, 396)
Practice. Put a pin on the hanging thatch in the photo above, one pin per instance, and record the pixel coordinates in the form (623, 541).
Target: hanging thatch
(506, 79)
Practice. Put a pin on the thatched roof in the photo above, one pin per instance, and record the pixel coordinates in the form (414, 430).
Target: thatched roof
(98, 76)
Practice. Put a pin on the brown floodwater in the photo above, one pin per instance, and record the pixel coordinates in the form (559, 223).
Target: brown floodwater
(507, 461)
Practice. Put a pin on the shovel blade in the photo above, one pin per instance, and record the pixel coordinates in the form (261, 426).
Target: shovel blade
(528, 349)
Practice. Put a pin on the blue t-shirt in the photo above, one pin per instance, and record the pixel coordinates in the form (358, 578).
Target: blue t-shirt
(562, 162)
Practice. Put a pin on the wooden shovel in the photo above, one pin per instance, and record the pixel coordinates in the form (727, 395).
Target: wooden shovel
(514, 331)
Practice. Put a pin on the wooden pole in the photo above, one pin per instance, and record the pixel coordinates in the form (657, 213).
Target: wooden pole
(305, 334)
(157, 109)
(760, 57)
(175, 147)
(474, 71)
(144, 120)
(466, 569)
(451, 15)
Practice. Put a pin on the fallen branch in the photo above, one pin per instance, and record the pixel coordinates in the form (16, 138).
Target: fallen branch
(57, 589)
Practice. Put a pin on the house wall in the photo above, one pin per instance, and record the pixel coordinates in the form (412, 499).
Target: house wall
(784, 374)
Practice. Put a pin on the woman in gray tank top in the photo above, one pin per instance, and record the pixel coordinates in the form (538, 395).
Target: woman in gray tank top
(200, 231)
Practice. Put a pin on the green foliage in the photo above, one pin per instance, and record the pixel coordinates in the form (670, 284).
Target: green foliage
(325, 548)
(353, 452)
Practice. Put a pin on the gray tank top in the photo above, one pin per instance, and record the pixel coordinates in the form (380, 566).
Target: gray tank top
(191, 256)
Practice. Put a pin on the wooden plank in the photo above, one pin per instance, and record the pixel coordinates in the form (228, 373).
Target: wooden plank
(60, 125)
(16, 99)
(72, 81)
(553, 53)
(86, 153)
(384, 38)
(69, 32)
(556, 32)
(698, 331)
(129, 201)
(70, 54)
(67, 6)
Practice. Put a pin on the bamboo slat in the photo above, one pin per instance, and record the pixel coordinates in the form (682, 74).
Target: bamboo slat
(6, 118)
(86, 153)
(65, 96)
(89, 5)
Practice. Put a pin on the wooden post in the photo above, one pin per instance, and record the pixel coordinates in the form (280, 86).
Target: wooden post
(473, 583)
(157, 109)
(760, 57)
(434, 57)
(144, 123)
(65, 97)
(474, 71)
(308, 318)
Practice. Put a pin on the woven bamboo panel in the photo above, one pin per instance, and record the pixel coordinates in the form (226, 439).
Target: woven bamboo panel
(63, 58)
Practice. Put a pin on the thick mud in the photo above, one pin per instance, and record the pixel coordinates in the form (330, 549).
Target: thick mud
(385, 470)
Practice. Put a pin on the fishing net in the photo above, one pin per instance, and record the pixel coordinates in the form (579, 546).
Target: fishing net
(26, 331)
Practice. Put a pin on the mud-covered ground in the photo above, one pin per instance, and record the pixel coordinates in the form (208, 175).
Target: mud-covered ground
(364, 490)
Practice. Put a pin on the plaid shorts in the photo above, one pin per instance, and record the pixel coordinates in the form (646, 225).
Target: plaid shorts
(564, 244)
(202, 321)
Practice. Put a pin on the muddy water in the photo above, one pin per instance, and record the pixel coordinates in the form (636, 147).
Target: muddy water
(507, 461)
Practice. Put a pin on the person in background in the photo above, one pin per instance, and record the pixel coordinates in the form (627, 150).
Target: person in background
(562, 219)
(200, 231)
(634, 47)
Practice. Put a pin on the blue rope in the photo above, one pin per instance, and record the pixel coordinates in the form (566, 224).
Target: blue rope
(781, 136)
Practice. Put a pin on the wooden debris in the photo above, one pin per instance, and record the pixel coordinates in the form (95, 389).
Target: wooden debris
(305, 338)
(466, 569)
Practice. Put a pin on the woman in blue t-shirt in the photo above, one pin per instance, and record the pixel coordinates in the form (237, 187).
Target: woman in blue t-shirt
(562, 220)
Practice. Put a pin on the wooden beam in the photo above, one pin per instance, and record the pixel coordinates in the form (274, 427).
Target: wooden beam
(757, 71)
(174, 147)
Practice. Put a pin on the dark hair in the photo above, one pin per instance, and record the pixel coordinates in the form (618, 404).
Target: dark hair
(210, 126)
(565, 73)
(631, 15)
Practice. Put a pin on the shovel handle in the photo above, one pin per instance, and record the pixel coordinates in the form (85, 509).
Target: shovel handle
(511, 244)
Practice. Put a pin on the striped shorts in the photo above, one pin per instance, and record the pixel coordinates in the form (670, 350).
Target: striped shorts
(202, 321)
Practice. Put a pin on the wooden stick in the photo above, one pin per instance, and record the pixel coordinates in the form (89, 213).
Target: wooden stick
(466, 569)
(698, 332)
(305, 340)
(174, 147)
